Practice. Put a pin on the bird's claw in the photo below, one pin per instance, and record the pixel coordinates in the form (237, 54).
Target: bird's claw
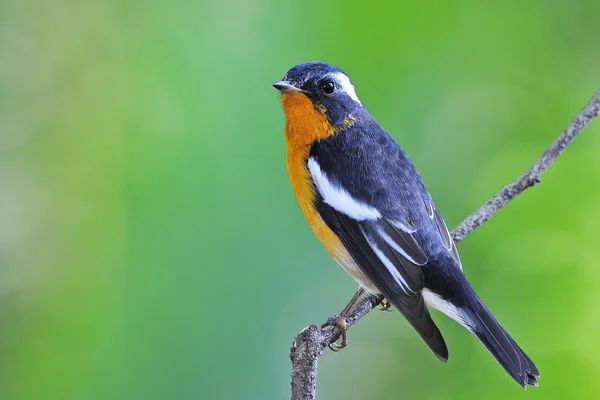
(385, 305)
(335, 347)
(340, 322)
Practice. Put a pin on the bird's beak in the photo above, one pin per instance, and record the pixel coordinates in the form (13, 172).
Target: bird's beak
(285, 87)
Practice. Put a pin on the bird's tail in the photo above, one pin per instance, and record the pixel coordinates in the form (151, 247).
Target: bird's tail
(501, 345)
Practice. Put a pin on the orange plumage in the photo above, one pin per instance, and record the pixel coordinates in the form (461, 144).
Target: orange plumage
(306, 125)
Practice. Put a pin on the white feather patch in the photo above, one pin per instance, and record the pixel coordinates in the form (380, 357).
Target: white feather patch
(402, 226)
(389, 265)
(346, 86)
(338, 198)
(430, 206)
(397, 248)
(435, 301)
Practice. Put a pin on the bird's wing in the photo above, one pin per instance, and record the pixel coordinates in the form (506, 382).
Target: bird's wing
(385, 249)
(435, 215)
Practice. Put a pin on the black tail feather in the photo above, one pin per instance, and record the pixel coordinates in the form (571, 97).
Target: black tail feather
(504, 349)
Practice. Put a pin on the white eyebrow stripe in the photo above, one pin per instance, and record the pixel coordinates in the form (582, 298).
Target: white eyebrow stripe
(346, 86)
(338, 198)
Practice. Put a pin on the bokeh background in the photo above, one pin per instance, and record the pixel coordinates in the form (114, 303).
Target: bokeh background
(151, 246)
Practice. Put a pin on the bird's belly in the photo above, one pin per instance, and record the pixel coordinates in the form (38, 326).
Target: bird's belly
(336, 249)
(345, 260)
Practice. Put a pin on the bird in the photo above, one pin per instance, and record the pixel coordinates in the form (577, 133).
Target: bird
(367, 204)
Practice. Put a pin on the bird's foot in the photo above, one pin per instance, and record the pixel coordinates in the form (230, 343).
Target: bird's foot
(385, 305)
(340, 322)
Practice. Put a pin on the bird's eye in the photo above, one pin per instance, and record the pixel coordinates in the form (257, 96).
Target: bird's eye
(328, 87)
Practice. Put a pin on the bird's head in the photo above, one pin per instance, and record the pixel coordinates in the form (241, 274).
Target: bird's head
(318, 100)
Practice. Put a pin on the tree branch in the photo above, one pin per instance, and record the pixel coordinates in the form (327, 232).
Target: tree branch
(309, 344)
(532, 175)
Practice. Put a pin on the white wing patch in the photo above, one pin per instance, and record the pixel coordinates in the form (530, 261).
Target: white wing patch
(402, 226)
(397, 248)
(430, 206)
(449, 237)
(389, 265)
(346, 86)
(338, 198)
(447, 308)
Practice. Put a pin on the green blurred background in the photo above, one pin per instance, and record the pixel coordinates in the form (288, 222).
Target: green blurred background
(151, 246)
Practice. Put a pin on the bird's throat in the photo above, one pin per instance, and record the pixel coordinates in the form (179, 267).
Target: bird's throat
(306, 124)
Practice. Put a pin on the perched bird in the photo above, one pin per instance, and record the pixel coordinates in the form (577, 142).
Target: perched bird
(365, 201)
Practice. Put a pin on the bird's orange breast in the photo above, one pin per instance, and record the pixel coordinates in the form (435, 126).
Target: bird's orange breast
(306, 125)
